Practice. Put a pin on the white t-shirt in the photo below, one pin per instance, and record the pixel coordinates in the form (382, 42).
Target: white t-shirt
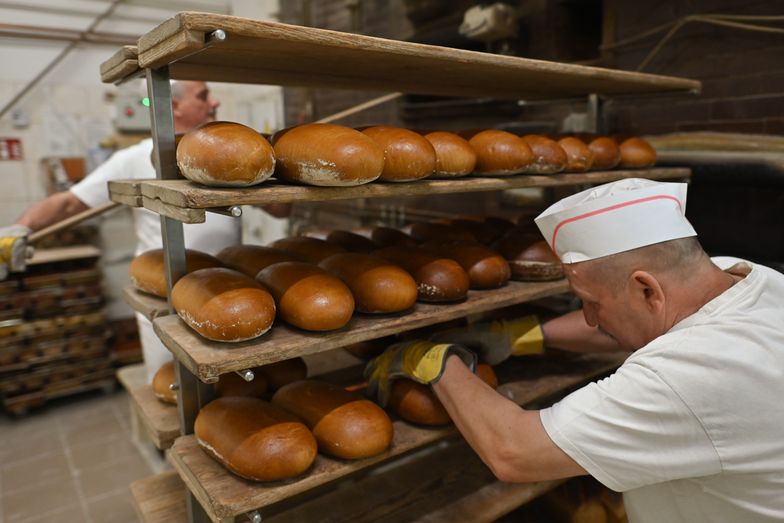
(214, 234)
(691, 426)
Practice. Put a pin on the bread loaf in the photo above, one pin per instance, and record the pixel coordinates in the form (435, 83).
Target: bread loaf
(284, 372)
(606, 153)
(231, 384)
(307, 296)
(225, 154)
(482, 231)
(162, 383)
(579, 156)
(454, 155)
(386, 236)
(499, 153)
(147, 270)
(418, 403)
(344, 423)
(426, 231)
(486, 268)
(530, 258)
(250, 259)
(378, 286)
(636, 153)
(351, 241)
(327, 155)
(311, 250)
(438, 279)
(255, 439)
(223, 304)
(549, 157)
(408, 156)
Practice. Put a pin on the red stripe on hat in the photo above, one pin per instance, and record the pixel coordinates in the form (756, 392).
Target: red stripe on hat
(612, 208)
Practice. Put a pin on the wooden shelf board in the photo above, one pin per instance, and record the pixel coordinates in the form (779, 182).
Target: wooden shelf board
(160, 498)
(120, 65)
(147, 305)
(225, 496)
(256, 51)
(159, 419)
(208, 359)
(181, 199)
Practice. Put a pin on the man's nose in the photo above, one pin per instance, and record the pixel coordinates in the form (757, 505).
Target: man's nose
(214, 102)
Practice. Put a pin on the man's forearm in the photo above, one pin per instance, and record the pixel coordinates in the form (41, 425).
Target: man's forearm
(53, 209)
(571, 332)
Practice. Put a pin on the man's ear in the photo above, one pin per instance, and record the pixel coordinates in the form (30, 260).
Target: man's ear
(646, 287)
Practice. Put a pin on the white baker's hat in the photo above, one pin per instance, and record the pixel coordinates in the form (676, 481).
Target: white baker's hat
(615, 217)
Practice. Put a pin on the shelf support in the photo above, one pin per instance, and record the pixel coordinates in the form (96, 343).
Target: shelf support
(594, 117)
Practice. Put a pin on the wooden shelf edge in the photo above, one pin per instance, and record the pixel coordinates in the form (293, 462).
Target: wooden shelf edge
(147, 305)
(160, 498)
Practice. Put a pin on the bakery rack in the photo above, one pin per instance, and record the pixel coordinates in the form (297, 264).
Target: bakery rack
(209, 47)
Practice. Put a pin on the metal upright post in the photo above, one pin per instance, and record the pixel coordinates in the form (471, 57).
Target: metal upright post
(594, 117)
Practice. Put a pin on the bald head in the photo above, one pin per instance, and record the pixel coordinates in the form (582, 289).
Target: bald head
(192, 105)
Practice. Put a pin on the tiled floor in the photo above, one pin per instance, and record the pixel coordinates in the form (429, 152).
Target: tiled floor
(71, 461)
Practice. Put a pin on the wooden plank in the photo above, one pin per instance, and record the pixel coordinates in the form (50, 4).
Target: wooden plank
(120, 65)
(208, 359)
(274, 53)
(771, 160)
(59, 254)
(160, 498)
(158, 418)
(182, 214)
(131, 376)
(225, 496)
(189, 195)
(125, 187)
(124, 199)
(147, 305)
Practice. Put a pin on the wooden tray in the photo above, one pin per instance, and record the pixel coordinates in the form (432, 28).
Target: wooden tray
(225, 496)
(209, 359)
(185, 201)
(256, 51)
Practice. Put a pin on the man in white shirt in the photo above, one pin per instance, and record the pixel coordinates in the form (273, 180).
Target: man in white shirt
(691, 426)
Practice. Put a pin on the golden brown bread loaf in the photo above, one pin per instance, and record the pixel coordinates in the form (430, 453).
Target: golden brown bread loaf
(223, 304)
(637, 153)
(378, 285)
(549, 157)
(499, 153)
(164, 378)
(255, 439)
(311, 250)
(606, 153)
(485, 267)
(327, 155)
(225, 154)
(231, 384)
(418, 403)
(408, 156)
(351, 241)
(284, 372)
(344, 423)
(147, 270)
(250, 259)
(454, 155)
(425, 231)
(387, 236)
(307, 296)
(438, 279)
(530, 258)
(579, 156)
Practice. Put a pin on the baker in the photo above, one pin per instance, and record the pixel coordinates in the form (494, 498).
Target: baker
(192, 105)
(691, 427)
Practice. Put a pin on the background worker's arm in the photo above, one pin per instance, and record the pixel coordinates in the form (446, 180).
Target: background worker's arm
(53, 209)
(511, 441)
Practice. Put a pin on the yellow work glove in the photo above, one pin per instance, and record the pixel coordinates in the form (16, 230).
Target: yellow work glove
(420, 360)
(13, 249)
(495, 341)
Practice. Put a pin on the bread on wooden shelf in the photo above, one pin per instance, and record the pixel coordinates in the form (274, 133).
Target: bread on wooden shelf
(418, 403)
(250, 259)
(308, 296)
(223, 304)
(499, 153)
(408, 156)
(549, 156)
(486, 268)
(255, 439)
(387, 236)
(636, 153)
(351, 241)
(232, 384)
(454, 155)
(426, 231)
(530, 258)
(148, 273)
(438, 279)
(484, 232)
(606, 153)
(378, 285)
(345, 424)
(225, 154)
(327, 155)
(284, 372)
(163, 383)
(308, 249)
(579, 156)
